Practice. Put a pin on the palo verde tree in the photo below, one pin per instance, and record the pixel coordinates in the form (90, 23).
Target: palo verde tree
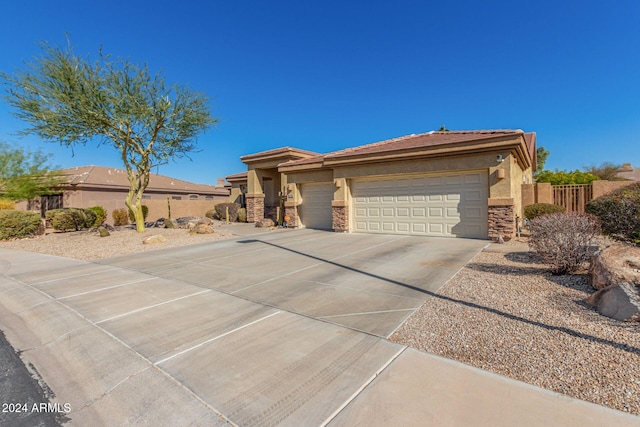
(24, 175)
(73, 100)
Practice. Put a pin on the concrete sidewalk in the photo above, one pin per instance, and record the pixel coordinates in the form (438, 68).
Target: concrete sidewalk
(126, 346)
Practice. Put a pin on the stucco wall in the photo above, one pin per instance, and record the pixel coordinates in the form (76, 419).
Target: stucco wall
(601, 188)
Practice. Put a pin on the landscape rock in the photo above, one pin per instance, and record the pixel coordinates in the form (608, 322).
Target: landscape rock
(203, 229)
(618, 263)
(103, 232)
(184, 221)
(266, 222)
(157, 238)
(620, 301)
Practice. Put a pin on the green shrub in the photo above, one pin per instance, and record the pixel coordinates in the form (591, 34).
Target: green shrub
(242, 215)
(537, 209)
(145, 212)
(120, 217)
(221, 211)
(101, 214)
(563, 240)
(619, 212)
(71, 219)
(7, 204)
(558, 177)
(19, 224)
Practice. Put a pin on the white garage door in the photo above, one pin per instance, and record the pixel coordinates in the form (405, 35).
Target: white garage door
(430, 205)
(315, 211)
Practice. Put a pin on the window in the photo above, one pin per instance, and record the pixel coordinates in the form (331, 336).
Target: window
(176, 197)
(208, 197)
(193, 197)
(146, 197)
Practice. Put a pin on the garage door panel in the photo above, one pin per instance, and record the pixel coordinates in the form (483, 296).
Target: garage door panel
(316, 209)
(439, 205)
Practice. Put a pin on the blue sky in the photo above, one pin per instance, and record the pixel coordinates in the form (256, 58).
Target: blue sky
(327, 75)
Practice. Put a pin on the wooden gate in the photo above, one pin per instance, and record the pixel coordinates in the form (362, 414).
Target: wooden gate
(572, 197)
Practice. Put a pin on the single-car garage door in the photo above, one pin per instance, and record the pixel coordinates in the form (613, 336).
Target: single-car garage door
(432, 205)
(315, 211)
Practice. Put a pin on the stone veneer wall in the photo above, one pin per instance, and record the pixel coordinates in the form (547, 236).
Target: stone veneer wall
(255, 207)
(292, 211)
(502, 222)
(340, 218)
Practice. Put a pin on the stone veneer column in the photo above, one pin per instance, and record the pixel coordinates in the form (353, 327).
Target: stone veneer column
(255, 207)
(291, 209)
(502, 221)
(340, 216)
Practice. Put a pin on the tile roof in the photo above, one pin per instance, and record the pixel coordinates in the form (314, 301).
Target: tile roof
(424, 140)
(237, 176)
(100, 176)
(428, 139)
(276, 152)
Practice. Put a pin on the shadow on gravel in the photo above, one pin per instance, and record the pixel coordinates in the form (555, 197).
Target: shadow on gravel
(515, 270)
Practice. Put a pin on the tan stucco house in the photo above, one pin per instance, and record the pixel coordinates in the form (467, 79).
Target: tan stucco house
(458, 183)
(86, 186)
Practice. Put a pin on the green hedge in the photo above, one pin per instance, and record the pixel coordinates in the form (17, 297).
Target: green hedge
(71, 219)
(619, 212)
(101, 214)
(538, 209)
(18, 224)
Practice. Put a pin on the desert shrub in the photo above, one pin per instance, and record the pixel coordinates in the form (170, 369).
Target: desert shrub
(619, 212)
(71, 219)
(101, 214)
(538, 209)
(120, 217)
(212, 214)
(563, 240)
(7, 204)
(18, 224)
(145, 212)
(221, 211)
(242, 215)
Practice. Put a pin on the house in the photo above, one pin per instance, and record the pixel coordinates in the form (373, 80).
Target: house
(458, 183)
(628, 172)
(87, 186)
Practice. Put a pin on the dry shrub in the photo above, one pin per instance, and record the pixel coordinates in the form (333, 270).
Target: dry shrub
(563, 240)
(120, 216)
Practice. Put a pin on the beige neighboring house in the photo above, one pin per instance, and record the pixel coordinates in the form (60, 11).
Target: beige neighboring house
(108, 187)
(628, 172)
(458, 183)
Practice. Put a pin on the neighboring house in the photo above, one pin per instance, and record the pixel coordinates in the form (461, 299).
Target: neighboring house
(458, 183)
(628, 172)
(108, 187)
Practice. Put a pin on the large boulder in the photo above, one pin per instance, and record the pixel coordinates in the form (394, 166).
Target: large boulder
(157, 238)
(620, 301)
(616, 264)
(203, 229)
(266, 223)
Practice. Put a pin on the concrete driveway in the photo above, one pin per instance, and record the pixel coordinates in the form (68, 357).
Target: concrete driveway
(282, 328)
(365, 282)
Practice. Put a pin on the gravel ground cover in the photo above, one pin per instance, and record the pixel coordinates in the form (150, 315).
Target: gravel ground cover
(504, 313)
(87, 245)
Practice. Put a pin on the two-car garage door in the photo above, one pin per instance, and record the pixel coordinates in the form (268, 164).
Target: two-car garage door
(432, 205)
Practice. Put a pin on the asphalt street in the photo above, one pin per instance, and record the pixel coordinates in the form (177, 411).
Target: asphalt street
(24, 402)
